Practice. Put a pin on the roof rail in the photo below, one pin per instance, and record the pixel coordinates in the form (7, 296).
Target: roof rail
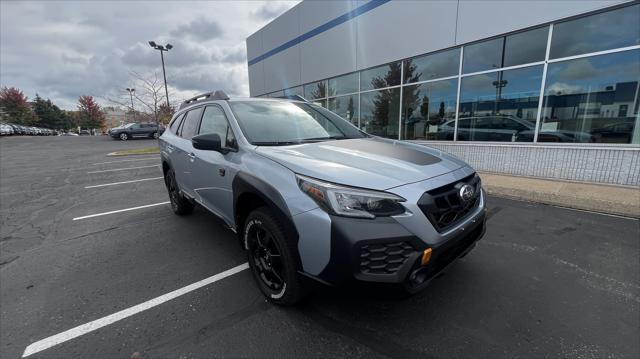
(214, 95)
(293, 97)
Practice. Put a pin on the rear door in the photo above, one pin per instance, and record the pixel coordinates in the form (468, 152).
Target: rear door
(214, 171)
(183, 155)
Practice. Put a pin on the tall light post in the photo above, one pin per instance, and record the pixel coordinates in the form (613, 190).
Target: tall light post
(131, 91)
(162, 49)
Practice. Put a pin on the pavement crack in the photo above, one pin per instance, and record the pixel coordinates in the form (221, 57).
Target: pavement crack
(92, 233)
(7, 261)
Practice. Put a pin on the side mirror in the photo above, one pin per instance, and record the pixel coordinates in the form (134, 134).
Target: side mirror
(207, 142)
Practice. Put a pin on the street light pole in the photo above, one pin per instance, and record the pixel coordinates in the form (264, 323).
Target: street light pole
(131, 91)
(162, 49)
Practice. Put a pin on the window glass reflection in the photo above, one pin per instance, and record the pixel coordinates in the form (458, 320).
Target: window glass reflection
(608, 30)
(429, 110)
(429, 67)
(526, 47)
(500, 106)
(315, 90)
(483, 56)
(380, 77)
(343, 84)
(294, 91)
(379, 112)
(592, 99)
(345, 106)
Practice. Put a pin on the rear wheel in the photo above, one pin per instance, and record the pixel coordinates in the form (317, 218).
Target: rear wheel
(179, 204)
(155, 135)
(124, 136)
(272, 257)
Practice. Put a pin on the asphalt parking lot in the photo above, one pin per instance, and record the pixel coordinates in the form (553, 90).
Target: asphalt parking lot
(544, 281)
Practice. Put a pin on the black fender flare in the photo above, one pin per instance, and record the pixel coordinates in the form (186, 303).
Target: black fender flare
(244, 183)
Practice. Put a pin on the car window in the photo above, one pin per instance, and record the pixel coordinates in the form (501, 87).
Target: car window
(176, 123)
(214, 121)
(191, 122)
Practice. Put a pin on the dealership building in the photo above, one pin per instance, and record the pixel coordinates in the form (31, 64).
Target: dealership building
(537, 88)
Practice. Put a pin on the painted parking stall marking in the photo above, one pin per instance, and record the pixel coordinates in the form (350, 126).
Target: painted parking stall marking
(83, 329)
(123, 182)
(120, 210)
(123, 169)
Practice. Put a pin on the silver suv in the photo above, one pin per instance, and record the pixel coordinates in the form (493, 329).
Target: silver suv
(312, 197)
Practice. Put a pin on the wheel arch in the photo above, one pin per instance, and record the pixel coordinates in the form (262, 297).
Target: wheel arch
(249, 193)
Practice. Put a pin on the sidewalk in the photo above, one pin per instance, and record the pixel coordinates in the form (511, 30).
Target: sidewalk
(623, 201)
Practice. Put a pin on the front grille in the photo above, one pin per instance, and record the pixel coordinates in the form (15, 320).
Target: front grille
(384, 258)
(443, 206)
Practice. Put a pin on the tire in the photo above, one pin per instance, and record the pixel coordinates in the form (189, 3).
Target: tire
(179, 204)
(124, 136)
(155, 135)
(273, 258)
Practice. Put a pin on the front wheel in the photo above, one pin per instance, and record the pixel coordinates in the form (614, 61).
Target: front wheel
(124, 136)
(155, 135)
(272, 257)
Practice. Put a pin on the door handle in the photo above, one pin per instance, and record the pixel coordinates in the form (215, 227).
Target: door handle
(192, 156)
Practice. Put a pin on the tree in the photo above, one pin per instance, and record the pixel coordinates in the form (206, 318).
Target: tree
(165, 112)
(89, 113)
(49, 115)
(15, 108)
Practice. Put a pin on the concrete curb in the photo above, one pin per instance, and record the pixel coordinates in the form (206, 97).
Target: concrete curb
(616, 200)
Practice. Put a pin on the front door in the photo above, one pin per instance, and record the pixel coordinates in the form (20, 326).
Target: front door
(212, 171)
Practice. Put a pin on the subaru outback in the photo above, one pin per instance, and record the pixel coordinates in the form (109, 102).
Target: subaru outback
(313, 198)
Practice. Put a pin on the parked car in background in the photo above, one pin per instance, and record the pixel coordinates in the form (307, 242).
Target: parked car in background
(5, 130)
(136, 130)
(505, 129)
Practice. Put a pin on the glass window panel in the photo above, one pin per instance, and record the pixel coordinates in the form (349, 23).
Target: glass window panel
(526, 47)
(429, 67)
(593, 99)
(500, 106)
(343, 84)
(346, 107)
(379, 112)
(294, 91)
(380, 77)
(429, 110)
(191, 123)
(315, 90)
(483, 56)
(608, 30)
(215, 121)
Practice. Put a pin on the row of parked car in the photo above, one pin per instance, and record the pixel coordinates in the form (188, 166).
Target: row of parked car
(9, 129)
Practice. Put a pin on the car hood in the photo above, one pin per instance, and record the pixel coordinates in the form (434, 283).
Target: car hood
(374, 163)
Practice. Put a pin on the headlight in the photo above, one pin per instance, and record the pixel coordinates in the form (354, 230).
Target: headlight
(351, 202)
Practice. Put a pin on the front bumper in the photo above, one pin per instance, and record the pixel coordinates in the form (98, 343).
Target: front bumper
(383, 251)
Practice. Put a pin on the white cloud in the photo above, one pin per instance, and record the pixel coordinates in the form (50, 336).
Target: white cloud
(65, 49)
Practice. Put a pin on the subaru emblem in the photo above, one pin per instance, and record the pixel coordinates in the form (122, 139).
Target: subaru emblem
(466, 193)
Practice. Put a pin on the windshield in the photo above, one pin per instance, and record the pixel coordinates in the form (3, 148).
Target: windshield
(282, 123)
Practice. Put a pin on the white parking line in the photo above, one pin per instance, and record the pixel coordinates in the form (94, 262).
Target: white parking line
(83, 329)
(124, 182)
(123, 169)
(120, 210)
(137, 159)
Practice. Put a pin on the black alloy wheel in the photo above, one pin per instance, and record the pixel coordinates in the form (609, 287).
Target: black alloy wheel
(266, 257)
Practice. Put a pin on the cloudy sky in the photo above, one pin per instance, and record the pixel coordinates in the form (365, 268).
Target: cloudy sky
(62, 50)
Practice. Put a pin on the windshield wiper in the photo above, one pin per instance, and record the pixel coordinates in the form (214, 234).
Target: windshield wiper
(319, 139)
(276, 143)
